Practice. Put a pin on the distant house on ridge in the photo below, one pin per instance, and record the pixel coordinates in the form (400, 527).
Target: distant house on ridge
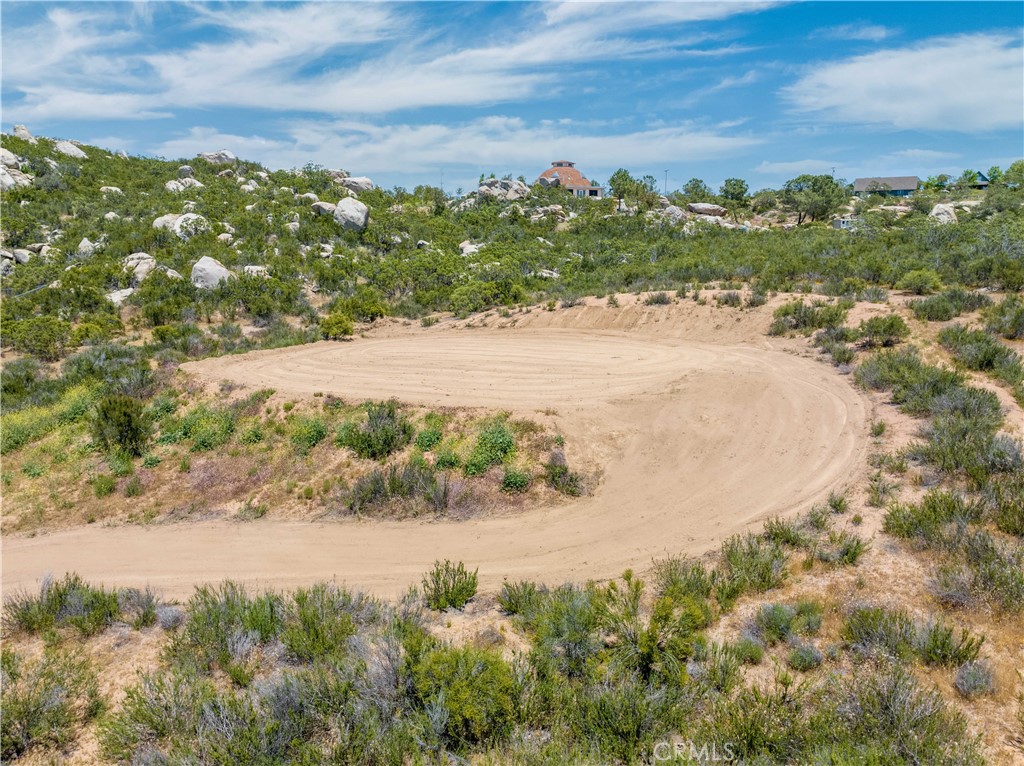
(886, 186)
(564, 173)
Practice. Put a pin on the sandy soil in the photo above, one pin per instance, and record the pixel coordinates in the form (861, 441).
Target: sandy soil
(698, 441)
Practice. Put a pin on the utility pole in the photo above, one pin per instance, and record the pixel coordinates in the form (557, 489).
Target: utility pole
(442, 179)
(665, 187)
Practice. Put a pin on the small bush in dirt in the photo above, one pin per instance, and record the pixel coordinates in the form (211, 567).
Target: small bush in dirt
(472, 691)
(446, 460)
(803, 317)
(1003, 497)
(494, 443)
(937, 308)
(730, 298)
(938, 645)
(448, 585)
(874, 294)
(927, 520)
(133, 487)
(883, 331)
(121, 423)
(138, 607)
(428, 438)
(658, 299)
(521, 598)
(67, 602)
(384, 431)
(975, 679)
(749, 650)
(621, 721)
(785, 532)
(559, 477)
(381, 485)
(804, 657)
(169, 616)
(756, 298)
(715, 667)
(104, 485)
(515, 481)
(570, 301)
(44, 701)
(774, 623)
(979, 350)
(876, 629)
(566, 630)
(307, 432)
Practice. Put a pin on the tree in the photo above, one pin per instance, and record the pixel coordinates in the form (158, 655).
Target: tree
(995, 175)
(623, 184)
(966, 180)
(1014, 175)
(696, 190)
(812, 197)
(936, 183)
(734, 190)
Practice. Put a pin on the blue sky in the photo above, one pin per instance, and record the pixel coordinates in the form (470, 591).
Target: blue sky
(405, 92)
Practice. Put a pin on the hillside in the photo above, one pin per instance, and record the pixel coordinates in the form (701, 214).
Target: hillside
(322, 472)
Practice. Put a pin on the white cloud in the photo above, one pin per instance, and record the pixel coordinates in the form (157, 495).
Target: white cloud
(922, 155)
(328, 58)
(856, 31)
(496, 143)
(965, 83)
(796, 167)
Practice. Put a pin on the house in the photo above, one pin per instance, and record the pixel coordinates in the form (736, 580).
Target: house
(564, 173)
(981, 181)
(886, 186)
(845, 223)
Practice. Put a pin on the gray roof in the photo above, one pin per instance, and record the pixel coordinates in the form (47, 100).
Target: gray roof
(893, 183)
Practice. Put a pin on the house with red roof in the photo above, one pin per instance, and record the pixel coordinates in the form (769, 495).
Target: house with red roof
(564, 174)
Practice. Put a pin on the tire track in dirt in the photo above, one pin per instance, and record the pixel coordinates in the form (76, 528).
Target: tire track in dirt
(706, 440)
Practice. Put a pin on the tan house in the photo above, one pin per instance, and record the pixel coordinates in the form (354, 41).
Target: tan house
(564, 173)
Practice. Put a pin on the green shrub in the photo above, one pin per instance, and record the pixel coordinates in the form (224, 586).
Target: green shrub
(336, 326)
(252, 435)
(1003, 496)
(494, 443)
(920, 282)
(774, 623)
(428, 438)
(121, 423)
(749, 564)
(729, 298)
(559, 477)
(803, 317)
(566, 631)
(678, 578)
(409, 481)
(133, 487)
(448, 585)
(44, 701)
(927, 520)
(521, 598)
(67, 602)
(937, 645)
(883, 331)
(658, 299)
(223, 629)
(979, 350)
(384, 431)
(1007, 317)
(307, 432)
(474, 690)
(446, 459)
(46, 337)
(619, 722)
(804, 657)
(749, 650)
(103, 485)
(869, 629)
(515, 481)
(317, 624)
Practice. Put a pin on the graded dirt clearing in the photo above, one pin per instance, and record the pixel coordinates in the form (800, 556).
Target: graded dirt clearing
(696, 441)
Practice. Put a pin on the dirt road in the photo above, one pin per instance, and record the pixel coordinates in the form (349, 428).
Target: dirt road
(698, 441)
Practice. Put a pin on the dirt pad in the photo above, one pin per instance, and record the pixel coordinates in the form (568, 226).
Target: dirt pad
(698, 441)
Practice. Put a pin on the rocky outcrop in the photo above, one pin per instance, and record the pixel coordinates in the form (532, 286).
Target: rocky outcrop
(111, 216)
(20, 131)
(178, 185)
(110, 190)
(208, 272)
(117, 297)
(184, 226)
(352, 214)
(140, 265)
(86, 247)
(256, 271)
(943, 213)
(556, 212)
(186, 171)
(68, 149)
(12, 178)
(323, 208)
(674, 214)
(503, 189)
(356, 183)
(8, 159)
(707, 208)
(469, 248)
(223, 157)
